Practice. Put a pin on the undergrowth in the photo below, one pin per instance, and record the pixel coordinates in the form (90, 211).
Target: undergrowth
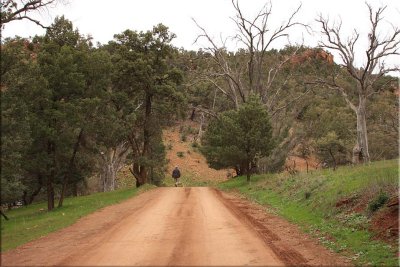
(310, 200)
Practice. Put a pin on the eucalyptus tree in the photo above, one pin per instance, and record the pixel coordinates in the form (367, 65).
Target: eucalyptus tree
(364, 78)
(258, 69)
(249, 71)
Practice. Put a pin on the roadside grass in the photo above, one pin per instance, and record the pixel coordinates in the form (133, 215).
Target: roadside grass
(33, 221)
(309, 201)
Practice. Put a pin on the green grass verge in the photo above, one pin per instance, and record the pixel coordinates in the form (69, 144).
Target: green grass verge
(309, 201)
(33, 221)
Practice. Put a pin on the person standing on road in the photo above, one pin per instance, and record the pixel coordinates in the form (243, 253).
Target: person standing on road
(176, 173)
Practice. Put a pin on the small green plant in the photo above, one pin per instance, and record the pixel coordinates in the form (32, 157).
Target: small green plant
(180, 154)
(183, 137)
(195, 144)
(307, 194)
(356, 220)
(378, 202)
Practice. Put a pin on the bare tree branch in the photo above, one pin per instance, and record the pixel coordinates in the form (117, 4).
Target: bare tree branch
(379, 48)
(13, 10)
(254, 33)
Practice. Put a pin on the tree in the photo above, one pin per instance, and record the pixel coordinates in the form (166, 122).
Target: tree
(238, 138)
(250, 72)
(328, 146)
(19, 75)
(12, 10)
(257, 69)
(145, 85)
(379, 48)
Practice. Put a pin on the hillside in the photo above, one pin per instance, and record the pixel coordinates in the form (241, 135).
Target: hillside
(182, 151)
(353, 210)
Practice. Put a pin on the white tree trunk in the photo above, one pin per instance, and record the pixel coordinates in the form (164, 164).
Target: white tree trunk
(113, 161)
(361, 150)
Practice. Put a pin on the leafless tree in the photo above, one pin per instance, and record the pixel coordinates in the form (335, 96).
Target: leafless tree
(379, 48)
(256, 35)
(12, 10)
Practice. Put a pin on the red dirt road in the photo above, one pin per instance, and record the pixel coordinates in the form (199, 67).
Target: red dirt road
(176, 226)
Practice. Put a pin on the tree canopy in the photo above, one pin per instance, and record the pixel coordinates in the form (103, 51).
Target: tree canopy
(238, 138)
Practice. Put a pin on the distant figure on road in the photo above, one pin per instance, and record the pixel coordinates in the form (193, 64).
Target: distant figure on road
(176, 174)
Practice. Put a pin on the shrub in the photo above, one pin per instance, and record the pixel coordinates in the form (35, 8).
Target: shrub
(183, 137)
(378, 202)
(195, 144)
(180, 154)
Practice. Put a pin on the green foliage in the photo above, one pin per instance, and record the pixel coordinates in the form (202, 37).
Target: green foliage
(180, 154)
(339, 229)
(183, 137)
(52, 93)
(195, 144)
(146, 94)
(378, 202)
(236, 139)
(328, 146)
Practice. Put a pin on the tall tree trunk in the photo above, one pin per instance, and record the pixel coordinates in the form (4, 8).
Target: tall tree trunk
(50, 192)
(37, 190)
(361, 150)
(75, 189)
(112, 162)
(333, 159)
(50, 177)
(70, 167)
(2, 214)
(248, 171)
(193, 114)
(24, 198)
(146, 138)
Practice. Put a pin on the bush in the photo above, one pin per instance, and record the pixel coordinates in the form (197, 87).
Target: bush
(180, 154)
(378, 202)
(195, 144)
(183, 137)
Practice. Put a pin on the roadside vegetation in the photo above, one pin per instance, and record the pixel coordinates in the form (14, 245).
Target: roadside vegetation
(31, 222)
(337, 207)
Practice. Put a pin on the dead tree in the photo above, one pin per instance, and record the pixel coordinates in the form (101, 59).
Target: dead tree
(12, 10)
(245, 78)
(379, 48)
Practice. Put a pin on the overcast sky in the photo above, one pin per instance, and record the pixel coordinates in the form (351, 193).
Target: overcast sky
(102, 19)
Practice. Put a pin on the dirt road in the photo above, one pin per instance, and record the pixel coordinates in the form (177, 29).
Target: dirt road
(176, 226)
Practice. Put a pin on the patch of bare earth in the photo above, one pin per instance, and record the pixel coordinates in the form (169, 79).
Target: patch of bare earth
(385, 223)
(190, 161)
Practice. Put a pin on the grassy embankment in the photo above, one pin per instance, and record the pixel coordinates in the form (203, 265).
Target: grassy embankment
(33, 221)
(309, 200)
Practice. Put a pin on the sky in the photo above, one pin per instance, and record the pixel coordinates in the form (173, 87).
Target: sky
(102, 19)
